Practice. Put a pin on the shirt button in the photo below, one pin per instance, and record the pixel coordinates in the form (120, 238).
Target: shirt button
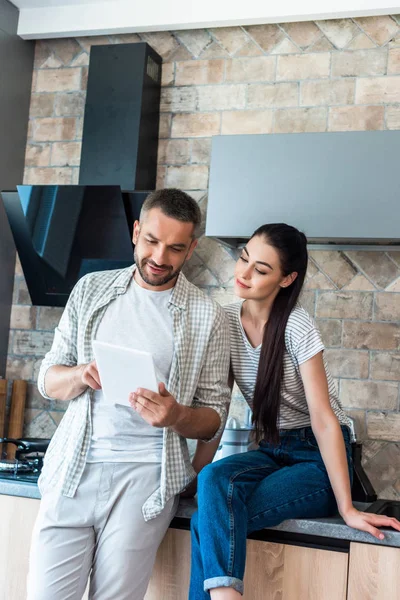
(83, 453)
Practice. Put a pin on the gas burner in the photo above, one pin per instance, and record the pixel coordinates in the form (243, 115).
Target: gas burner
(21, 466)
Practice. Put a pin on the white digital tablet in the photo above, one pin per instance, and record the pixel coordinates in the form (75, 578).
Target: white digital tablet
(123, 370)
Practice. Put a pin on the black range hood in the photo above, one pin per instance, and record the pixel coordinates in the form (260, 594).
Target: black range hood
(63, 232)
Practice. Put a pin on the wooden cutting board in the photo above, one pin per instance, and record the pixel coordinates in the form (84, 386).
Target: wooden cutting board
(3, 400)
(16, 421)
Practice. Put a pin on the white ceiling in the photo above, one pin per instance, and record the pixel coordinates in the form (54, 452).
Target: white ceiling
(69, 18)
(44, 3)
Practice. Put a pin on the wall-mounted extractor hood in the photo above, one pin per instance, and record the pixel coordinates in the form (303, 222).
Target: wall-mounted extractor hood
(341, 189)
(63, 232)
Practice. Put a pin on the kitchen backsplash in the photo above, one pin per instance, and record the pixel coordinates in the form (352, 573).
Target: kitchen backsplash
(317, 76)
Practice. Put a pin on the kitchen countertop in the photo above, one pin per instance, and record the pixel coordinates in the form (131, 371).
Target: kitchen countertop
(329, 532)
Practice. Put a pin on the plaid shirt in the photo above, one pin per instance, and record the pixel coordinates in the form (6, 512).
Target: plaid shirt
(198, 378)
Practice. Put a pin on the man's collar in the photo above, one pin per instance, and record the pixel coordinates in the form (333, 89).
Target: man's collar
(179, 291)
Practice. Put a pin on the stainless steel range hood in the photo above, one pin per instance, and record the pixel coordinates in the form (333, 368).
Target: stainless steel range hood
(341, 189)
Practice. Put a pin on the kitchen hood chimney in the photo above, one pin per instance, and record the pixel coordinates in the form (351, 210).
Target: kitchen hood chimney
(122, 112)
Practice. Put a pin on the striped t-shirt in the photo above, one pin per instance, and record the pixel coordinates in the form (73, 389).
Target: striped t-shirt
(302, 341)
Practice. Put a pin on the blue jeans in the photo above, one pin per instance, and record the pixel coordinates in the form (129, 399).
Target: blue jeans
(247, 492)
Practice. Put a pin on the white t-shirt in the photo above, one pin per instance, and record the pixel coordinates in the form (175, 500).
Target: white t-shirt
(302, 341)
(138, 319)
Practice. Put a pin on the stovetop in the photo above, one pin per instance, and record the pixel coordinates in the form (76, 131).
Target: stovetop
(22, 477)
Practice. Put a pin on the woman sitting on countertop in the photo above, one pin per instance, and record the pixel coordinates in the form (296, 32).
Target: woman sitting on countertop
(302, 467)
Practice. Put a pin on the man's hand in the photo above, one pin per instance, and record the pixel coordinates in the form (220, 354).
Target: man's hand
(159, 410)
(90, 375)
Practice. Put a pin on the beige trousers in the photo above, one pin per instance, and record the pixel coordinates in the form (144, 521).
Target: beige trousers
(100, 533)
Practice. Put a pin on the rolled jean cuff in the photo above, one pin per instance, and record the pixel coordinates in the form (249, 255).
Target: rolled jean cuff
(216, 582)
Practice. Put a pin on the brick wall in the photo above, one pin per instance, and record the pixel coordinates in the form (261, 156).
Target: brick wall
(325, 76)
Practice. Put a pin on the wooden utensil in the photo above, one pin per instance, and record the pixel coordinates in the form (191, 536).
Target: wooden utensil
(3, 401)
(16, 421)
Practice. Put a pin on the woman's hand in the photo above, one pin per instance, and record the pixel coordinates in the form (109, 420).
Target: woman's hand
(369, 522)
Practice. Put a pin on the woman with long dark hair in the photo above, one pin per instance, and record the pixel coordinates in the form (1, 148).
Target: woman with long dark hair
(302, 467)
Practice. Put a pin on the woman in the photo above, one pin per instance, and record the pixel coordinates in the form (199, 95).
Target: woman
(302, 467)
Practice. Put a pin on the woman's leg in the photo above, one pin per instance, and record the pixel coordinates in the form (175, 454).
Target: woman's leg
(219, 530)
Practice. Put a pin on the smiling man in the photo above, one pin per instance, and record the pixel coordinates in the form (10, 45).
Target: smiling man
(113, 474)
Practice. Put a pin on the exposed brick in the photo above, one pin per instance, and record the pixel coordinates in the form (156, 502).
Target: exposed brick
(178, 99)
(49, 317)
(201, 150)
(196, 125)
(250, 69)
(303, 66)
(193, 177)
(173, 152)
(69, 105)
(23, 317)
(45, 176)
(65, 154)
(377, 90)
(370, 395)
(359, 63)
(394, 61)
(385, 366)
(54, 129)
(393, 117)
(42, 105)
(383, 426)
(267, 36)
(167, 74)
(199, 72)
(347, 363)
(37, 155)
(380, 29)
(221, 97)
(345, 305)
(338, 91)
(32, 343)
(372, 336)
(300, 120)
(356, 118)
(273, 95)
(331, 331)
(387, 307)
(246, 122)
(58, 80)
(303, 34)
(338, 31)
(19, 368)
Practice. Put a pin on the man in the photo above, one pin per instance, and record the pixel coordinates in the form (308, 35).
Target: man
(112, 474)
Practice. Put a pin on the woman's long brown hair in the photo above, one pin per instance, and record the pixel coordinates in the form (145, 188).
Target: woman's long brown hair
(291, 246)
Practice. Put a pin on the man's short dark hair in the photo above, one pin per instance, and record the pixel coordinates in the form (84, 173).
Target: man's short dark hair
(175, 204)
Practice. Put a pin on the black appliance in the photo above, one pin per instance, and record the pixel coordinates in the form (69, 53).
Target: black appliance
(28, 461)
(63, 232)
(362, 490)
(122, 113)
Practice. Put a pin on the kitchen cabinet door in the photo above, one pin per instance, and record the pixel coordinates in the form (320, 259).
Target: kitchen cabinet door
(374, 572)
(17, 518)
(274, 571)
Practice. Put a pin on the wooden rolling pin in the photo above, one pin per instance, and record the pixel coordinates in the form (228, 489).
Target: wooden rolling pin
(3, 401)
(16, 421)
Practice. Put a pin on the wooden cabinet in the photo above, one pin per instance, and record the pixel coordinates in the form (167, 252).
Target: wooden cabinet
(273, 571)
(374, 572)
(17, 518)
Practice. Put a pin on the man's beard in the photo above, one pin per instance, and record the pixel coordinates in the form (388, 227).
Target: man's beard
(157, 281)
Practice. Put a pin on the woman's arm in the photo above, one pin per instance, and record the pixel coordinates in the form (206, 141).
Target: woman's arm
(328, 433)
